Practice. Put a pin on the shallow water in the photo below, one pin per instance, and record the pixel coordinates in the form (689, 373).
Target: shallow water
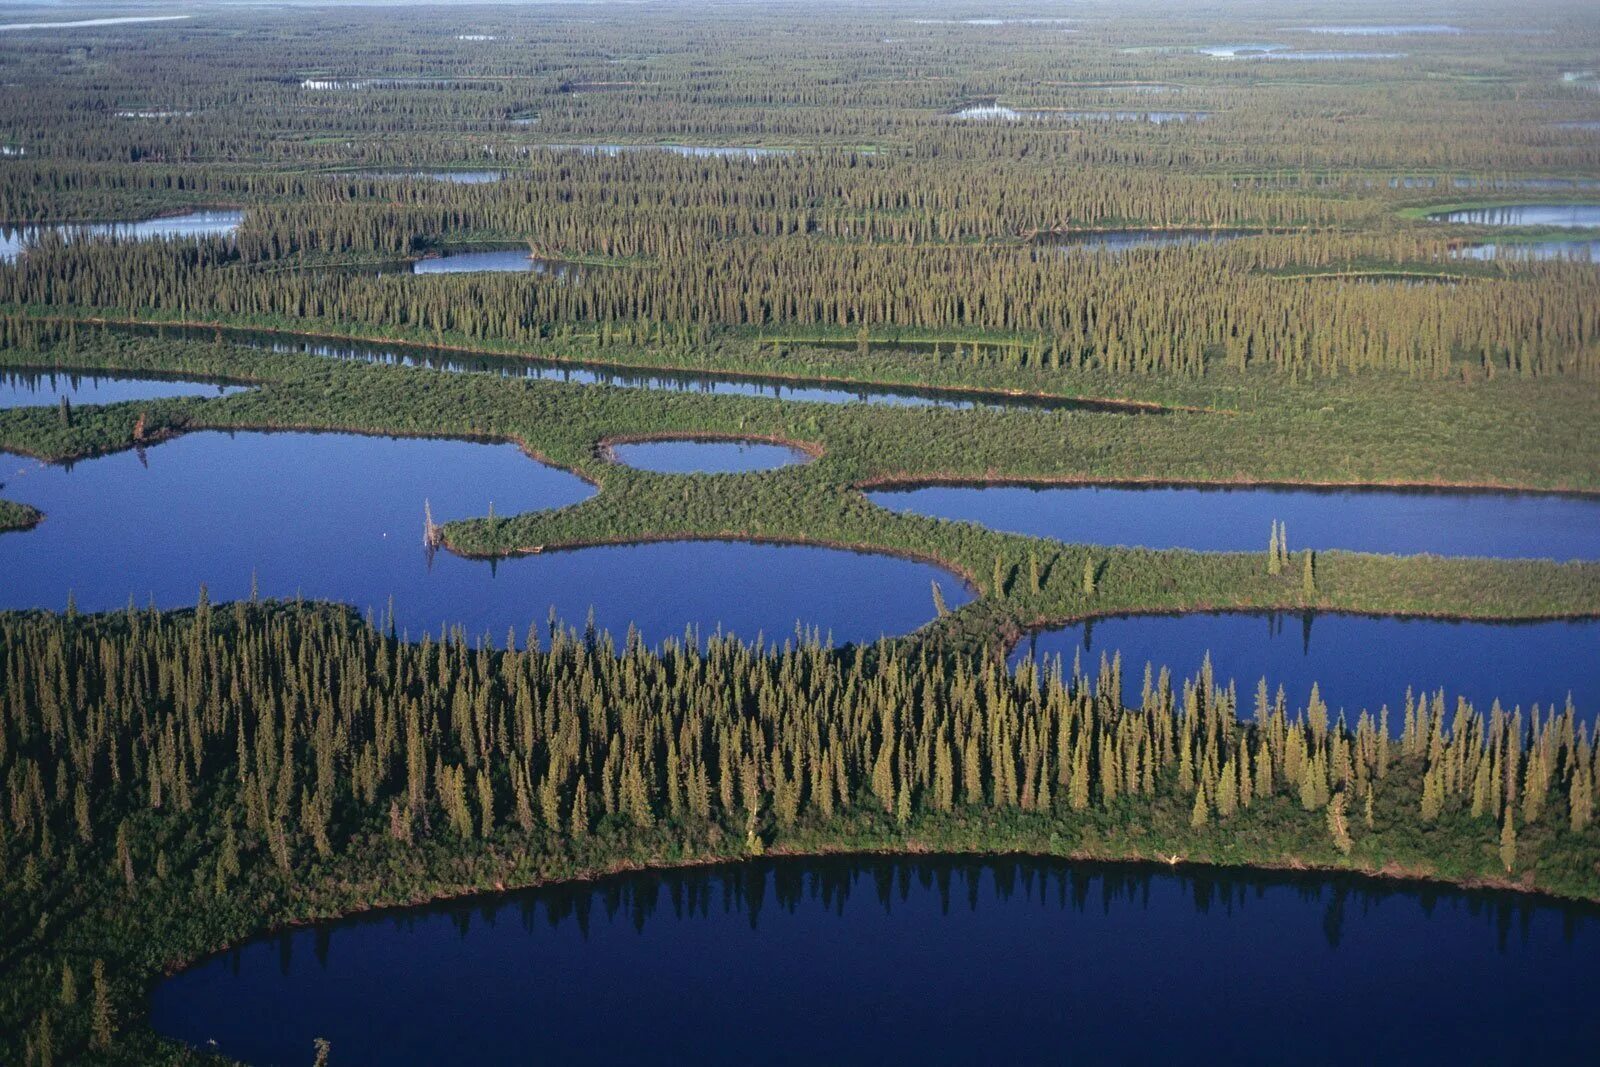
(1503, 525)
(1579, 251)
(1563, 216)
(707, 457)
(927, 960)
(340, 517)
(174, 227)
(1356, 661)
(30, 388)
(511, 261)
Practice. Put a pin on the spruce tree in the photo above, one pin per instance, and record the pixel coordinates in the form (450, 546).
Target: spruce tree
(1508, 842)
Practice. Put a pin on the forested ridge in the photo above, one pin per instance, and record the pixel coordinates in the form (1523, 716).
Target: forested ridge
(174, 781)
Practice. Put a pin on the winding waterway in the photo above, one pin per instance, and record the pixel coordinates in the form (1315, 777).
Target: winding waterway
(41, 388)
(340, 517)
(930, 960)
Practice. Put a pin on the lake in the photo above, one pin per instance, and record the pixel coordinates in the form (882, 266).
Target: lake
(1563, 216)
(40, 388)
(1578, 251)
(210, 223)
(1396, 522)
(1358, 661)
(706, 457)
(340, 517)
(511, 260)
(924, 960)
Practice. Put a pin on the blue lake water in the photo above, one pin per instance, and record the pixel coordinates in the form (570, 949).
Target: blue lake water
(1577, 251)
(175, 227)
(931, 960)
(1507, 525)
(340, 517)
(1563, 216)
(29, 388)
(1358, 662)
(513, 260)
(706, 457)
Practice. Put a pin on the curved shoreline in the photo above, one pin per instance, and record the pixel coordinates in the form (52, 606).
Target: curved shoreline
(727, 536)
(905, 481)
(1012, 638)
(1389, 874)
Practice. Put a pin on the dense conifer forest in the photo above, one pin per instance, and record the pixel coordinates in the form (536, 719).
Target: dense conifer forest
(1143, 256)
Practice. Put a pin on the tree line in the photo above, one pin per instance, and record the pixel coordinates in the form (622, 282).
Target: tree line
(235, 755)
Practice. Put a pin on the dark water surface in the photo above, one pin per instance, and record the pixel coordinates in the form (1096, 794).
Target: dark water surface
(1357, 661)
(1504, 525)
(30, 388)
(1563, 216)
(340, 517)
(926, 961)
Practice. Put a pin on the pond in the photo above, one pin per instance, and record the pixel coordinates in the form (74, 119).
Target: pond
(40, 388)
(685, 456)
(211, 223)
(1563, 216)
(508, 260)
(1357, 661)
(1578, 251)
(710, 383)
(1126, 240)
(1395, 522)
(340, 517)
(922, 960)
(1283, 52)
